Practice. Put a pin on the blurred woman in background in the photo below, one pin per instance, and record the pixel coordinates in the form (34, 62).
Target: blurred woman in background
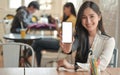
(69, 14)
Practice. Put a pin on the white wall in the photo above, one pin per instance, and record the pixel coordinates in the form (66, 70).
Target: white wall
(4, 9)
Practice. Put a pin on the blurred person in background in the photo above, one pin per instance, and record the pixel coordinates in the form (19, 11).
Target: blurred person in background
(24, 16)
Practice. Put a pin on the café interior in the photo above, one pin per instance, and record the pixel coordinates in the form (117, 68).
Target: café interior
(44, 35)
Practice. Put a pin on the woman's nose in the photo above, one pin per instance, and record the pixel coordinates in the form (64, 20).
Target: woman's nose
(88, 21)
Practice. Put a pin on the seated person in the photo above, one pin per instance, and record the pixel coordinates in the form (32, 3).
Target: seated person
(24, 15)
(51, 20)
(90, 35)
(50, 43)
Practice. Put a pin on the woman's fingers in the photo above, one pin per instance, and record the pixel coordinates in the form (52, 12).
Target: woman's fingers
(66, 47)
(63, 63)
(61, 45)
(60, 63)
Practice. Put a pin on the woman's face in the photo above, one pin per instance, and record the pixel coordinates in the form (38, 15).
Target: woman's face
(67, 11)
(90, 19)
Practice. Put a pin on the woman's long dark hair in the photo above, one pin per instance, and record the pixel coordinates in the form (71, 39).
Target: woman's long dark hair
(82, 34)
(69, 4)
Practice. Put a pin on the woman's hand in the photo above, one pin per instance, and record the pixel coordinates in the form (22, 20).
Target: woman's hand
(64, 63)
(66, 47)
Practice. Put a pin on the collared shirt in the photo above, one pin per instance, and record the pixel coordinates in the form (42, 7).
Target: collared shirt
(102, 49)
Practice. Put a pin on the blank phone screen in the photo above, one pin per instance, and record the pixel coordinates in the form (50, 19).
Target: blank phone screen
(66, 32)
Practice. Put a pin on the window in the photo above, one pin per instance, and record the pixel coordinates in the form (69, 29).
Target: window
(27, 2)
(15, 3)
(45, 4)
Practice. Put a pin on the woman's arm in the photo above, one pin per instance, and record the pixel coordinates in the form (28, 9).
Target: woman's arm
(107, 53)
(105, 56)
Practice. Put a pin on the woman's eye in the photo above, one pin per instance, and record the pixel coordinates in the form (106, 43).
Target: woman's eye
(83, 17)
(91, 16)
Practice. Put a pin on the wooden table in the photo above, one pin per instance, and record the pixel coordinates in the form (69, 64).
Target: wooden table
(51, 71)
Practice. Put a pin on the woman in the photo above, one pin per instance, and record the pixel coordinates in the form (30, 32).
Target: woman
(50, 43)
(69, 14)
(90, 35)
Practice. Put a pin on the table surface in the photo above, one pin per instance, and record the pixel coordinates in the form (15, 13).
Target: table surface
(52, 71)
(12, 36)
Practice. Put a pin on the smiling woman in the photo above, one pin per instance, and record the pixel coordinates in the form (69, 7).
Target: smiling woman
(90, 19)
(90, 36)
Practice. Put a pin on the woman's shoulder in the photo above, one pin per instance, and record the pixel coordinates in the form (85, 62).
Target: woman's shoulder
(107, 38)
(104, 36)
(72, 17)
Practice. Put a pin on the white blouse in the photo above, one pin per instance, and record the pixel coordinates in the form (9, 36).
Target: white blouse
(102, 49)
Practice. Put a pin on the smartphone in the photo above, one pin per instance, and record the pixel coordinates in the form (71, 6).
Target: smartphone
(67, 32)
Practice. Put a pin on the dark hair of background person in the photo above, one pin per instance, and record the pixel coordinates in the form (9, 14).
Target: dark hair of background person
(69, 4)
(35, 4)
(82, 34)
(19, 8)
